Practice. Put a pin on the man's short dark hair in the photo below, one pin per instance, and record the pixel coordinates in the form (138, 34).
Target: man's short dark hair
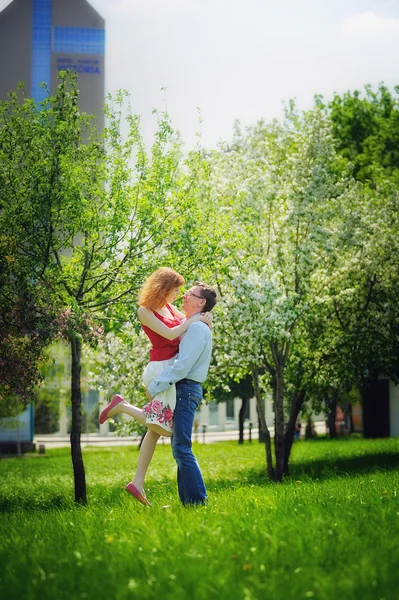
(209, 294)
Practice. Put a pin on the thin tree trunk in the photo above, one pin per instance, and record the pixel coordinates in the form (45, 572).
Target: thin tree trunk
(263, 425)
(310, 432)
(331, 416)
(241, 418)
(76, 451)
(296, 405)
(279, 442)
(18, 428)
(261, 434)
(349, 418)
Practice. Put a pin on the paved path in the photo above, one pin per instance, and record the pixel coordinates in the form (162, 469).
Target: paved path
(92, 439)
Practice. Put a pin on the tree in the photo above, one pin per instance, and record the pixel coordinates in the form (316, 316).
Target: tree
(25, 331)
(87, 215)
(25, 328)
(92, 214)
(366, 127)
(290, 208)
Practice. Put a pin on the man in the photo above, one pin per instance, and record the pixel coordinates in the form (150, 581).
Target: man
(188, 371)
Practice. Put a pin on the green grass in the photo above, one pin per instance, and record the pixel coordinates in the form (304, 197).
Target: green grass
(331, 530)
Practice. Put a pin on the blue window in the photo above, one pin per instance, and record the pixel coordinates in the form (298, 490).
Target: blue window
(78, 40)
(41, 48)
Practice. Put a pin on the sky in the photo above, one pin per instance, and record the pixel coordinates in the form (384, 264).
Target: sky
(241, 59)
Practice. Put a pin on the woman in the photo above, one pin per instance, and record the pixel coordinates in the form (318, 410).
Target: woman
(164, 325)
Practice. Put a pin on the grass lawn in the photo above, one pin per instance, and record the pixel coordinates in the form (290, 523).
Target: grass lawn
(331, 530)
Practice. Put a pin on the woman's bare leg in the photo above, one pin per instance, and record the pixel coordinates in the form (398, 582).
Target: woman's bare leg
(146, 453)
(149, 443)
(128, 409)
(139, 415)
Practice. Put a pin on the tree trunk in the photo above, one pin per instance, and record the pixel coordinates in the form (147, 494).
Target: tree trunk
(261, 434)
(241, 418)
(262, 424)
(310, 431)
(295, 408)
(18, 429)
(331, 416)
(279, 442)
(76, 451)
(349, 418)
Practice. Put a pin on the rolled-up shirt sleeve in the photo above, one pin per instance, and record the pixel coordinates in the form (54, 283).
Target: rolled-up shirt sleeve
(190, 349)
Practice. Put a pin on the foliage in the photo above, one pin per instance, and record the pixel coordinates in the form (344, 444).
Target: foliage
(366, 127)
(88, 214)
(117, 367)
(292, 229)
(97, 207)
(26, 328)
(361, 336)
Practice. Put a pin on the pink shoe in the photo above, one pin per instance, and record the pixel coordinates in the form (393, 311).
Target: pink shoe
(131, 488)
(115, 400)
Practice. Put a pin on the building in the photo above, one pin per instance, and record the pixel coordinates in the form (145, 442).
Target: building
(17, 431)
(38, 38)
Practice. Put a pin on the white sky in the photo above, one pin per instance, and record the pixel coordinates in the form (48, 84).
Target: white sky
(243, 58)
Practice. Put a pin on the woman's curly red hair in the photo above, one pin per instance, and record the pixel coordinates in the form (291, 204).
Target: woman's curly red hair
(158, 286)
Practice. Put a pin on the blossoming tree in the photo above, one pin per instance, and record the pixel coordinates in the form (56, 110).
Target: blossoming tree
(290, 209)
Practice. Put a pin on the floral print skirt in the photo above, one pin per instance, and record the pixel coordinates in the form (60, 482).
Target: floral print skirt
(161, 408)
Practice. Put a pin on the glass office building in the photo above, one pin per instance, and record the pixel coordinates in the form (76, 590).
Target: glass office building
(38, 38)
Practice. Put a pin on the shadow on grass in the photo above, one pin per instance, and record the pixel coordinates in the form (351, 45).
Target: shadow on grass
(352, 465)
(31, 504)
(99, 495)
(319, 469)
(328, 468)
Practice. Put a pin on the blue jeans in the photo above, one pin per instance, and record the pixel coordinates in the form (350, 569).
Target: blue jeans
(189, 478)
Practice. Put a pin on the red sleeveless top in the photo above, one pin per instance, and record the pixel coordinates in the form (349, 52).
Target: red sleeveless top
(163, 349)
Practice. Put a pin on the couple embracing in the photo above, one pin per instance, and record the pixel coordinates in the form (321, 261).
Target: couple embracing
(179, 361)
